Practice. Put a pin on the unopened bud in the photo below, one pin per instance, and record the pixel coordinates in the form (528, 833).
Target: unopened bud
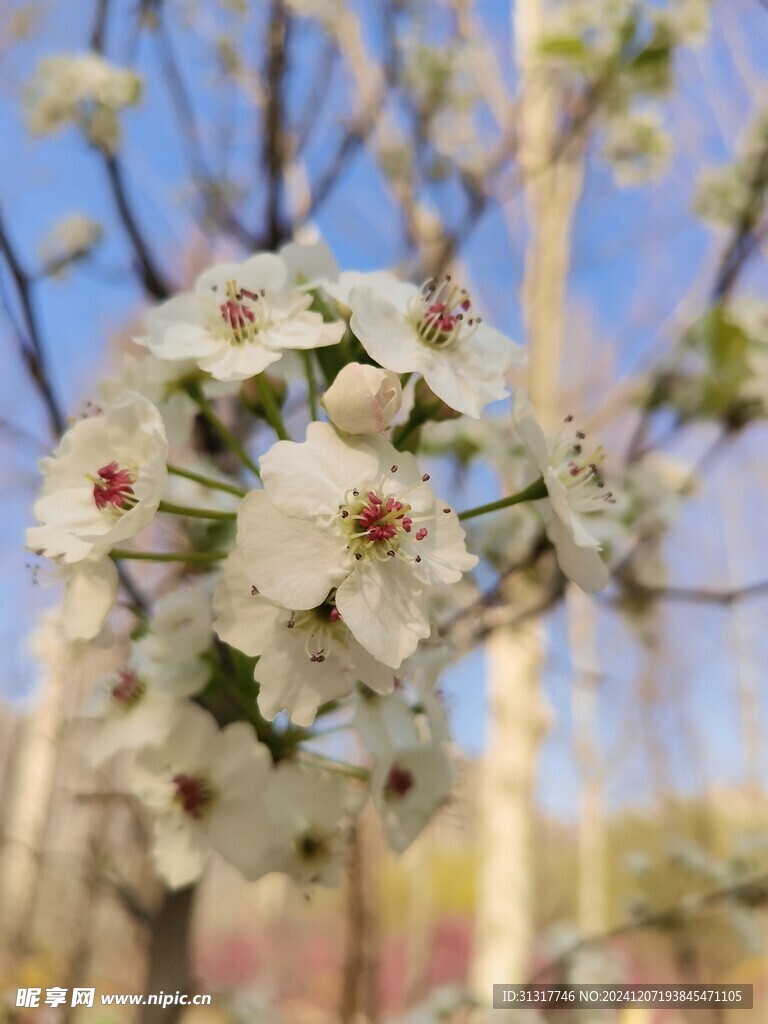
(363, 399)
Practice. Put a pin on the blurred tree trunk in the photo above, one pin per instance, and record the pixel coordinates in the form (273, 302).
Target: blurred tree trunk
(26, 816)
(170, 954)
(746, 664)
(592, 906)
(505, 914)
(516, 716)
(359, 995)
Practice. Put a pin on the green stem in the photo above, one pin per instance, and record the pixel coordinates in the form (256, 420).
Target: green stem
(311, 385)
(332, 765)
(271, 407)
(207, 481)
(194, 513)
(169, 556)
(196, 394)
(536, 490)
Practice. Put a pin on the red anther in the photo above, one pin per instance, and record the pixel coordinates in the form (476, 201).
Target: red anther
(335, 615)
(113, 487)
(192, 793)
(400, 781)
(127, 687)
(421, 534)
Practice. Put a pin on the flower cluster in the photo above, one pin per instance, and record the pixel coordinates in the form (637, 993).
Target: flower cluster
(84, 90)
(304, 612)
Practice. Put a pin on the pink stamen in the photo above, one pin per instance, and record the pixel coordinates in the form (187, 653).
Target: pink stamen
(236, 314)
(421, 534)
(113, 487)
(127, 688)
(192, 793)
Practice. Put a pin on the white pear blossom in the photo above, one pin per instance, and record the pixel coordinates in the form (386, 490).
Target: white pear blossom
(128, 712)
(82, 89)
(104, 482)
(69, 239)
(575, 489)
(135, 706)
(305, 658)
(239, 320)
(203, 786)
(309, 813)
(363, 399)
(408, 787)
(355, 516)
(434, 331)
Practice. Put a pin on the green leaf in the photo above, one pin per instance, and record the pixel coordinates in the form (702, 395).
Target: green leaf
(570, 48)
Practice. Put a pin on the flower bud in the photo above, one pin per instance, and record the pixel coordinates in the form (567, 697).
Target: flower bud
(363, 399)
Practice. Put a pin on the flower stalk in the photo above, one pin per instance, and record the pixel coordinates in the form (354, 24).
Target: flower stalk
(195, 513)
(195, 392)
(534, 491)
(169, 556)
(207, 481)
(271, 407)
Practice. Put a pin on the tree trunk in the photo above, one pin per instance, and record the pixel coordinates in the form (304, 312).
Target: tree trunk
(170, 954)
(505, 913)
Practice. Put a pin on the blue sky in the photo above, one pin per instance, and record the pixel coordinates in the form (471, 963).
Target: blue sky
(636, 253)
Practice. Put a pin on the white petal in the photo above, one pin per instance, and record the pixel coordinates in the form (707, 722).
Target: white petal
(444, 555)
(315, 477)
(291, 682)
(529, 430)
(240, 764)
(238, 362)
(244, 620)
(180, 850)
(309, 265)
(370, 671)
(291, 561)
(583, 565)
(304, 331)
(380, 603)
(494, 350)
(385, 333)
(90, 593)
(264, 270)
(242, 833)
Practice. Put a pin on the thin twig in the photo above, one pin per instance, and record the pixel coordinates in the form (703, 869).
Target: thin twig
(150, 276)
(32, 351)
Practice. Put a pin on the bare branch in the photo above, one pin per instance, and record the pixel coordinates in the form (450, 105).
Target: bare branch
(753, 892)
(699, 595)
(151, 278)
(274, 136)
(31, 345)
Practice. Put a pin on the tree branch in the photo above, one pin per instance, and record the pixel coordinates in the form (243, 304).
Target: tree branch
(753, 892)
(150, 276)
(274, 138)
(31, 345)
